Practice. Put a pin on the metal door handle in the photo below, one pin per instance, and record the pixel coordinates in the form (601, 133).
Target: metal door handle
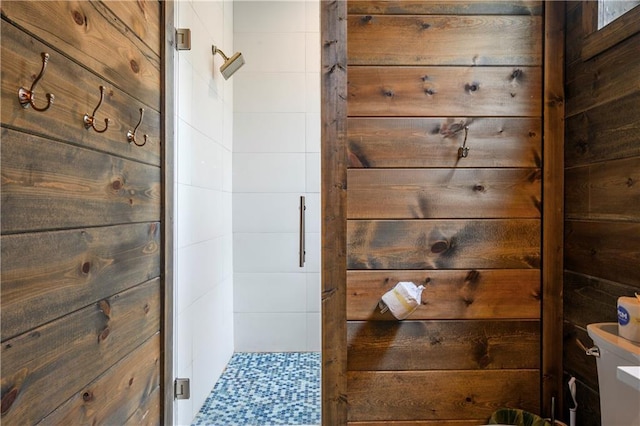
(302, 248)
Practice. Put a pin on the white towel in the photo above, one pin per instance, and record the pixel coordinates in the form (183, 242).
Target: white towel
(402, 299)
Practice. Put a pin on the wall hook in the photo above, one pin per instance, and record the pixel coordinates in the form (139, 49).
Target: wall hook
(89, 120)
(27, 97)
(463, 151)
(131, 135)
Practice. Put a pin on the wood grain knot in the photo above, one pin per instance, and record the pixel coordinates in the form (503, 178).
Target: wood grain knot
(425, 26)
(86, 267)
(146, 308)
(78, 18)
(105, 308)
(8, 399)
(630, 182)
(472, 276)
(116, 185)
(517, 74)
(131, 381)
(473, 87)
(134, 66)
(387, 93)
(429, 92)
(87, 396)
(366, 19)
(105, 333)
(478, 188)
(440, 246)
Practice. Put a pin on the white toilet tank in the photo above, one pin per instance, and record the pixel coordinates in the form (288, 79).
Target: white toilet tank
(619, 402)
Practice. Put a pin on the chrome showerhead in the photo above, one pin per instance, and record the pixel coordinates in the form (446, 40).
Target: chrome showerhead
(231, 65)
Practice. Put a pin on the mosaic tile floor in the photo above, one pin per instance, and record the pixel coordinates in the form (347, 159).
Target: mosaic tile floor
(264, 389)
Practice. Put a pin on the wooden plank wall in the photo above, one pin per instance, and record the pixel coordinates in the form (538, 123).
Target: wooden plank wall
(602, 194)
(468, 229)
(81, 231)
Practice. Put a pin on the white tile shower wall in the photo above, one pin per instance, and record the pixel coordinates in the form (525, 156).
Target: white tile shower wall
(203, 231)
(276, 160)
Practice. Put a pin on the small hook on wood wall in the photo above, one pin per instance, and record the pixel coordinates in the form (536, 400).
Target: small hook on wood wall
(89, 120)
(131, 135)
(463, 151)
(27, 96)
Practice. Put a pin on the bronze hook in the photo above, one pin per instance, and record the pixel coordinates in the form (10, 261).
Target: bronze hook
(89, 120)
(463, 151)
(27, 97)
(131, 135)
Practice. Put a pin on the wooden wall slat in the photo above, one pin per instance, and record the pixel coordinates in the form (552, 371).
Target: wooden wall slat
(140, 17)
(43, 187)
(590, 300)
(148, 413)
(45, 367)
(435, 395)
(115, 396)
(432, 38)
(438, 91)
(582, 366)
(474, 422)
(443, 193)
(84, 34)
(412, 7)
(443, 345)
(73, 98)
(443, 244)
(604, 132)
(450, 294)
(608, 250)
(434, 142)
(46, 275)
(604, 191)
(333, 155)
(602, 79)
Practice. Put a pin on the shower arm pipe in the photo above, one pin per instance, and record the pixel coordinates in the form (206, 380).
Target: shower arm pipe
(216, 50)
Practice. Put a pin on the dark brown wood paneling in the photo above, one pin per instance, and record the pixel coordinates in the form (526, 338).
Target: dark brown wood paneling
(582, 366)
(443, 345)
(604, 191)
(334, 209)
(432, 38)
(74, 96)
(115, 396)
(141, 17)
(89, 35)
(443, 193)
(411, 7)
(553, 207)
(46, 275)
(434, 395)
(606, 132)
(603, 79)
(44, 368)
(450, 294)
(43, 186)
(434, 142)
(474, 422)
(438, 91)
(443, 244)
(589, 300)
(608, 250)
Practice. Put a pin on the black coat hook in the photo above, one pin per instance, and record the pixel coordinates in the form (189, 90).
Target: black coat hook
(89, 120)
(131, 135)
(27, 96)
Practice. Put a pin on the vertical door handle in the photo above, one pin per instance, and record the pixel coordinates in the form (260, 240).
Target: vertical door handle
(302, 248)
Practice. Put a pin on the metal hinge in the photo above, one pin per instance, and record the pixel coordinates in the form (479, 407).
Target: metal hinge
(183, 39)
(181, 389)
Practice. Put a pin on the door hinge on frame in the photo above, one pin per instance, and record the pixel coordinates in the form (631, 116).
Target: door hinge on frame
(181, 389)
(183, 39)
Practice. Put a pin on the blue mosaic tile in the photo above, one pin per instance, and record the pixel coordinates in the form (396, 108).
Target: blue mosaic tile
(265, 389)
